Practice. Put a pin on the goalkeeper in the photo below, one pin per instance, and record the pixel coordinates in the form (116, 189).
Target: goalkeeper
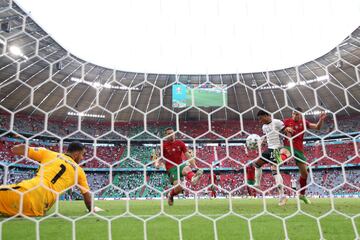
(57, 173)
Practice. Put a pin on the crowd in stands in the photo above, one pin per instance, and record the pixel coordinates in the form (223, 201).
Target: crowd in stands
(101, 128)
(130, 165)
(137, 185)
(226, 156)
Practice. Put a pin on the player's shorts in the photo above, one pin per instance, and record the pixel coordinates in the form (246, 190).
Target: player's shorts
(299, 155)
(10, 201)
(173, 173)
(268, 155)
(250, 182)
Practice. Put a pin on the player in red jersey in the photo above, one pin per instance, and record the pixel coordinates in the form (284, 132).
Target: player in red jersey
(173, 150)
(298, 125)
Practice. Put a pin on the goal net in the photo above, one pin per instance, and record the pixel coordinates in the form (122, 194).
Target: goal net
(49, 98)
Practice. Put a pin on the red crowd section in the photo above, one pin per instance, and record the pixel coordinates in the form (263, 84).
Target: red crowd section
(226, 157)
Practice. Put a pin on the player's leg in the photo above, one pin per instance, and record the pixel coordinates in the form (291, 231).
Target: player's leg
(294, 192)
(280, 184)
(175, 191)
(265, 158)
(213, 191)
(173, 175)
(190, 175)
(303, 176)
(251, 191)
(10, 200)
(258, 171)
(282, 154)
(209, 193)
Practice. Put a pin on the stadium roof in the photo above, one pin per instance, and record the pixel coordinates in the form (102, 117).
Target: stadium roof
(41, 58)
(196, 37)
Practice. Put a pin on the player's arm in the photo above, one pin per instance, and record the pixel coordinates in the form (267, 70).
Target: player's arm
(35, 153)
(87, 200)
(18, 149)
(281, 126)
(319, 124)
(85, 191)
(288, 131)
(263, 141)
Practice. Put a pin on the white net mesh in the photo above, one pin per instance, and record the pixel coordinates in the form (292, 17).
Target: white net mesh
(49, 98)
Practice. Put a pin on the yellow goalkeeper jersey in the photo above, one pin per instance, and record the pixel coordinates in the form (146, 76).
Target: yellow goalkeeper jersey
(57, 173)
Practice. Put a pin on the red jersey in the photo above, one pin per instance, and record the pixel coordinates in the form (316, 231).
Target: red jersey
(173, 151)
(298, 126)
(250, 173)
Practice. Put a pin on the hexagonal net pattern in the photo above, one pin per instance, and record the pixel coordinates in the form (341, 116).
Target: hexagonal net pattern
(50, 98)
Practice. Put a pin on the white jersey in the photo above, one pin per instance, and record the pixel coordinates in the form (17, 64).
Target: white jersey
(293, 183)
(272, 132)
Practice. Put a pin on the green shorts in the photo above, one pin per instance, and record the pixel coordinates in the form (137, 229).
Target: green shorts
(299, 156)
(173, 173)
(250, 182)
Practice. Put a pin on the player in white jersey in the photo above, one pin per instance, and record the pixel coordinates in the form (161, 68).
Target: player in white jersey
(272, 129)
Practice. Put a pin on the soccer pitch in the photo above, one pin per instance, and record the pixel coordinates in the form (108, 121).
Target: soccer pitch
(194, 226)
(206, 98)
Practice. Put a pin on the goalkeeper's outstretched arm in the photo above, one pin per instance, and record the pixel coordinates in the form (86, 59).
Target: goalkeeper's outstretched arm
(87, 200)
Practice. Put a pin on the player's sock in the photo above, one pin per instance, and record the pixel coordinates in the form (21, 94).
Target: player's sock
(279, 182)
(302, 182)
(258, 173)
(171, 197)
(249, 191)
(189, 176)
(277, 156)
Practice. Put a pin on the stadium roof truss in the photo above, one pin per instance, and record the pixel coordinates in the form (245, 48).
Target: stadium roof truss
(331, 81)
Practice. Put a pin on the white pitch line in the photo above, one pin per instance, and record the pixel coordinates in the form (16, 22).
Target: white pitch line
(176, 215)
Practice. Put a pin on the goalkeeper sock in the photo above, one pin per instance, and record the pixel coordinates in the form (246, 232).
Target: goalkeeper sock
(189, 175)
(302, 182)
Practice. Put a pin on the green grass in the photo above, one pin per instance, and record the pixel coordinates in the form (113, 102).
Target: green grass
(193, 226)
